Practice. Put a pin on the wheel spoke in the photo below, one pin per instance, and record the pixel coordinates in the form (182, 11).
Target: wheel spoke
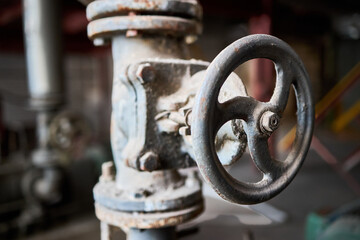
(284, 79)
(235, 108)
(259, 151)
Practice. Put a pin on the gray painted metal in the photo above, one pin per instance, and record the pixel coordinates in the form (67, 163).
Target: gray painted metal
(164, 95)
(138, 84)
(143, 220)
(159, 25)
(209, 115)
(42, 184)
(156, 128)
(108, 8)
(42, 28)
(177, 194)
(148, 191)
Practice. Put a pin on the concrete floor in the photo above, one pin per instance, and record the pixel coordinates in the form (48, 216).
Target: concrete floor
(315, 187)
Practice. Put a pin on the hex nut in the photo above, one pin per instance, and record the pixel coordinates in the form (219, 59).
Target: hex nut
(145, 73)
(269, 122)
(149, 162)
(101, 42)
(185, 131)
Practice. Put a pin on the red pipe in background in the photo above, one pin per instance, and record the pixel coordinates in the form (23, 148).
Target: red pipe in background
(261, 70)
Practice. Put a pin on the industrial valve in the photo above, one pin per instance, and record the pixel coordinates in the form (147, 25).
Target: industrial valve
(260, 119)
(172, 113)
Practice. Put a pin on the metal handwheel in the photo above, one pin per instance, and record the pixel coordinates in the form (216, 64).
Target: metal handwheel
(260, 119)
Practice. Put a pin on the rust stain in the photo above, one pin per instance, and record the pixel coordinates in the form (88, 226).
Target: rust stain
(145, 220)
(127, 163)
(132, 13)
(122, 8)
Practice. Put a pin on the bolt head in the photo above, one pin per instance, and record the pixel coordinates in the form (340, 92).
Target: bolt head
(269, 121)
(149, 161)
(141, 193)
(101, 41)
(145, 73)
(107, 171)
(185, 131)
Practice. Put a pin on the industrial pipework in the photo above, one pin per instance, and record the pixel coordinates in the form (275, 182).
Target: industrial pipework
(42, 32)
(172, 113)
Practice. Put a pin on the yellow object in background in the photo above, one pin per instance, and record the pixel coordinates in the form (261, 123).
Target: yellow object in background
(342, 121)
(324, 104)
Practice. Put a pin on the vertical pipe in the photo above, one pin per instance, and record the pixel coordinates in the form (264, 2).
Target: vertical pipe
(167, 233)
(42, 28)
(42, 128)
(261, 70)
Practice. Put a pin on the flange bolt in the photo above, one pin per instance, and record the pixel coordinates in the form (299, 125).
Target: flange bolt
(145, 73)
(149, 161)
(107, 172)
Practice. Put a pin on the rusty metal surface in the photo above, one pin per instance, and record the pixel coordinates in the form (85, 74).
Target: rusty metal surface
(109, 8)
(160, 97)
(176, 195)
(230, 140)
(128, 122)
(209, 115)
(156, 129)
(164, 106)
(163, 25)
(147, 220)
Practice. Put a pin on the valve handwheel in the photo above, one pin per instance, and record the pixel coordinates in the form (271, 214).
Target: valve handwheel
(260, 119)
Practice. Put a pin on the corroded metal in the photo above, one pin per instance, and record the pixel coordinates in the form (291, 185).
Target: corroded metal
(108, 8)
(209, 115)
(161, 102)
(165, 116)
(180, 192)
(149, 52)
(143, 220)
(163, 25)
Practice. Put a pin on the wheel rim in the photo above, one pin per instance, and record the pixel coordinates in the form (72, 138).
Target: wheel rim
(209, 115)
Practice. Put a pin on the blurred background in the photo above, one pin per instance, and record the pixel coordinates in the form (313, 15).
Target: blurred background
(324, 33)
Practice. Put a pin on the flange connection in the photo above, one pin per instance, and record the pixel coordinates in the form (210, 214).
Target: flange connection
(177, 18)
(157, 207)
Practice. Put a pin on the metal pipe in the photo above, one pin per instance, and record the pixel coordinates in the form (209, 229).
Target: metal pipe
(42, 28)
(42, 127)
(167, 233)
(149, 196)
